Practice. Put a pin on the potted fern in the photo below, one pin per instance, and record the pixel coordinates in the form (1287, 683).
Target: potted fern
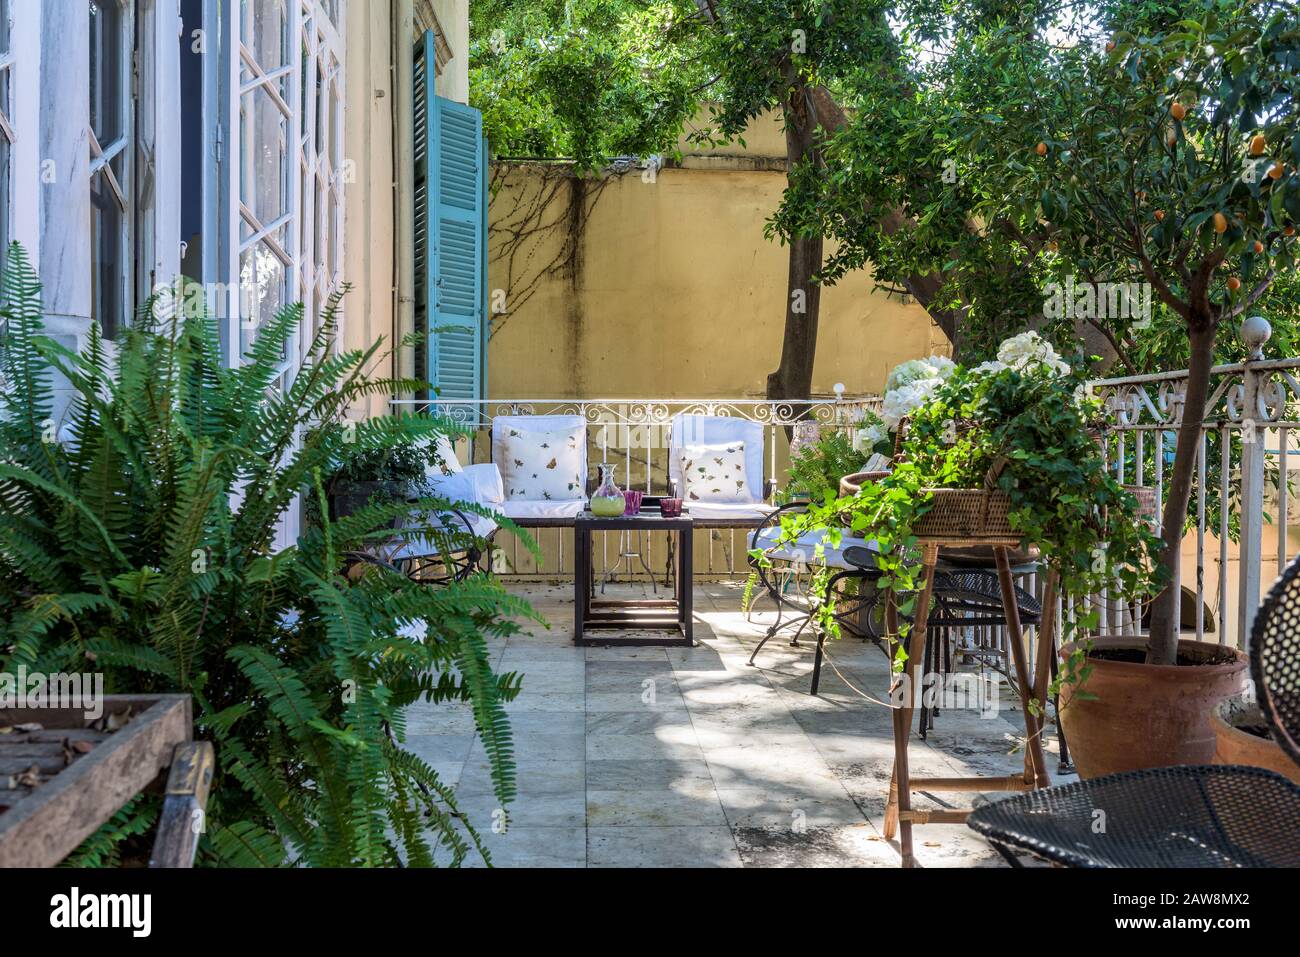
(140, 544)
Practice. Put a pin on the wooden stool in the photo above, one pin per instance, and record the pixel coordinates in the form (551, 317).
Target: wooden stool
(961, 518)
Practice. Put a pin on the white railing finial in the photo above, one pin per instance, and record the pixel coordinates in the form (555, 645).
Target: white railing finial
(1255, 331)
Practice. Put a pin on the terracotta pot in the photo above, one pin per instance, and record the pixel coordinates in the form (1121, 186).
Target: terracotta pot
(852, 484)
(1147, 716)
(1234, 746)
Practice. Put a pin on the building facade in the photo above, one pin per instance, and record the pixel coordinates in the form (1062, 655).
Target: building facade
(273, 151)
(263, 148)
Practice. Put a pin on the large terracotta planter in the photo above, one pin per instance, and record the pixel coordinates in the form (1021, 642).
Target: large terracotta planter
(1235, 746)
(1147, 716)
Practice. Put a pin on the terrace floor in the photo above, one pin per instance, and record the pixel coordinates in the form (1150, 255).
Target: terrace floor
(653, 757)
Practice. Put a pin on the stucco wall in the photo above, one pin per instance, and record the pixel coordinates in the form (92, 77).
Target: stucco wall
(673, 290)
(376, 131)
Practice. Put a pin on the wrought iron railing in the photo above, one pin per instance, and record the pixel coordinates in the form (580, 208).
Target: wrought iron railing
(634, 432)
(1240, 486)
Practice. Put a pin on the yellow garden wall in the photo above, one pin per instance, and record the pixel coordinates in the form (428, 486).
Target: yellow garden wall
(673, 292)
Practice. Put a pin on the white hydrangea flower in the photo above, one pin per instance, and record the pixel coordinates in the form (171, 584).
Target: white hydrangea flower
(943, 365)
(1030, 350)
(905, 373)
(914, 370)
(902, 401)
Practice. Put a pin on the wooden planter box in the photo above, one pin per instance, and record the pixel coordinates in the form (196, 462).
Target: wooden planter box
(83, 773)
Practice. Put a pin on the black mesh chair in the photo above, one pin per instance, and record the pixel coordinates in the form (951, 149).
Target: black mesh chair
(1186, 816)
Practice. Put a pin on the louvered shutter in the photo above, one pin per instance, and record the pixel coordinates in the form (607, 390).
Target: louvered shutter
(450, 217)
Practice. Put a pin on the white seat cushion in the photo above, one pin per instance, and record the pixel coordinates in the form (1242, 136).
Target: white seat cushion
(486, 480)
(742, 511)
(523, 508)
(804, 549)
(478, 485)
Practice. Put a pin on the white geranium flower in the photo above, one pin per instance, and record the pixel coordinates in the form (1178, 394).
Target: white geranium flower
(864, 440)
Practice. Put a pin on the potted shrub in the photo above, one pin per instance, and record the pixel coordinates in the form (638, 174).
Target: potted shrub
(379, 476)
(816, 468)
(1021, 422)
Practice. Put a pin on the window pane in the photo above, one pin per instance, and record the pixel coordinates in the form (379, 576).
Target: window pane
(264, 29)
(262, 291)
(111, 265)
(264, 156)
(106, 71)
(192, 142)
(106, 282)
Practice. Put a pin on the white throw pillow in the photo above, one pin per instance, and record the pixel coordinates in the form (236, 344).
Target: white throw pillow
(541, 466)
(715, 473)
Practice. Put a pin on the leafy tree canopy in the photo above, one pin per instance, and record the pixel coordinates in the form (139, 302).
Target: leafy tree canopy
(929, 114)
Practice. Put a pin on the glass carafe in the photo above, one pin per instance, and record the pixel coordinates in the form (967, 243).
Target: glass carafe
(607, 501)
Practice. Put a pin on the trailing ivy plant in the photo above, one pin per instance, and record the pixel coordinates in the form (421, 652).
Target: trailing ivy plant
(1027, 419)
(137, 539)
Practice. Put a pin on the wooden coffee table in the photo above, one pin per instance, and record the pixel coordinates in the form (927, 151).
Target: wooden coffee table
(642, 614)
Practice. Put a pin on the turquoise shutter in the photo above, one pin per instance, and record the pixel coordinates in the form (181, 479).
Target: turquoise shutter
(450, 225)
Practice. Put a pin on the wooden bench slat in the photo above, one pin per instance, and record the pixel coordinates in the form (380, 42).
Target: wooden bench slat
(46, 824)
(48, 764)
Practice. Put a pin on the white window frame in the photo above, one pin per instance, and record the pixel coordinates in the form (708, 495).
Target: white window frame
(311, 253)
(24, 157)
(8, 132)
(320, 164)
(157, 174)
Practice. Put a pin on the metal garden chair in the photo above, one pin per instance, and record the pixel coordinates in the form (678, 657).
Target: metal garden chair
(1182, 816)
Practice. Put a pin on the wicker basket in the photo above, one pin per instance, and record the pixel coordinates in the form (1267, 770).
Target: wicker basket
(852, 484)
(967, 515)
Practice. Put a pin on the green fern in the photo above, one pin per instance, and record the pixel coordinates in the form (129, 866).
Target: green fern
(142, 540)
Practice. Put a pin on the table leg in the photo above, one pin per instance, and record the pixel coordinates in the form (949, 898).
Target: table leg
(686, 548)
(581, 541)
(1035, 765)
(906, 684)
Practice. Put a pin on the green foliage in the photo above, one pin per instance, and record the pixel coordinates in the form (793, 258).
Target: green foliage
(816, 469)
(129, 827)
(142, 543)
(1032, 428)
(586, 80)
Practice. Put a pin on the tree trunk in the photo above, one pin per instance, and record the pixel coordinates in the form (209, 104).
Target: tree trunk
(793, 376)
(1163, 643)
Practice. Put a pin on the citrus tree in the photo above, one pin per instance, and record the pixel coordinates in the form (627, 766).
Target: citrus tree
(1167, 158)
